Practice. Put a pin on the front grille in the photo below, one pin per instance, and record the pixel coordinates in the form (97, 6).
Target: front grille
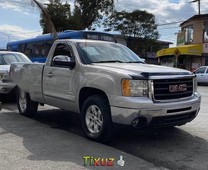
(169, 89)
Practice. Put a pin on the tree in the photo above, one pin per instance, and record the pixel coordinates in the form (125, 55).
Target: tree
(60, 15)
(134, 26)
(85, 13)
(138, 24)
(90, 11)
(46, 17)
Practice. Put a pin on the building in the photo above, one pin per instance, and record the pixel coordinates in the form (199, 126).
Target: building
(192, 45)
(147, 48)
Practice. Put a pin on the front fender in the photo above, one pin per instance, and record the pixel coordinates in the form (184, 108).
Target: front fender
(104, 82)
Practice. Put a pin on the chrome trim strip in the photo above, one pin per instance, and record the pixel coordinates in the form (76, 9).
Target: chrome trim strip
(171, 77)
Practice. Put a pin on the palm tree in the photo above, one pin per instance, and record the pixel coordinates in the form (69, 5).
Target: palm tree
(49, 23)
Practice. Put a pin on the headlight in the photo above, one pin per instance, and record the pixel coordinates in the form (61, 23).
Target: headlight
(137, 88)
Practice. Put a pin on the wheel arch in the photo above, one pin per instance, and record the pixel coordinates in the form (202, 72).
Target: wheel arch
(89, 91)
(27, 107)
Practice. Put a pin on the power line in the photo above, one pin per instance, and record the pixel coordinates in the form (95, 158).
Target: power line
(168, 28)
(170, 23)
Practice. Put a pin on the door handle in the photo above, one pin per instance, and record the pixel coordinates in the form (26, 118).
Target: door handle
(50, 74)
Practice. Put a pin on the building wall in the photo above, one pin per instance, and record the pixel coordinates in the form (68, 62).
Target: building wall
(197, 31)
(198, 38)
(192, 37)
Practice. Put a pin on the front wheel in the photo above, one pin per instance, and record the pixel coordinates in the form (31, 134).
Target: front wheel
(96, 119)
(25, 105)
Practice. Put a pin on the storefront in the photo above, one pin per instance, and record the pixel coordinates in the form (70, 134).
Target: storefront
(187, 57)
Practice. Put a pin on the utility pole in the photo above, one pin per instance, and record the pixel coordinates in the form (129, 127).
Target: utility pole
(199, 5)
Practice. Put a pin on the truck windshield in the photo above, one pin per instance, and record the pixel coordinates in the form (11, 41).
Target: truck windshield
(101, 52)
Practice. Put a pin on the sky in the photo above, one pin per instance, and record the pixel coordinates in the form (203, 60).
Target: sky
(20, 20)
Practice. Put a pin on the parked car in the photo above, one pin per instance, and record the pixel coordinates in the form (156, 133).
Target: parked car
(6, 58)
(202, 74)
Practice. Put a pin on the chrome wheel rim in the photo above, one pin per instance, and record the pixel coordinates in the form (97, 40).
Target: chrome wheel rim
(94, 119)
(22, 100)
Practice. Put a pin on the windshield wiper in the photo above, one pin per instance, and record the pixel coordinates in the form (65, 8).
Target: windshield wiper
(108, 61)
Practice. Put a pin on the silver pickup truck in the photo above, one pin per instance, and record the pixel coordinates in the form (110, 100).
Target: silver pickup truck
(107, 84)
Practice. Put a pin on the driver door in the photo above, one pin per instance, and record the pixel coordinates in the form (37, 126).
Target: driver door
(58, 80)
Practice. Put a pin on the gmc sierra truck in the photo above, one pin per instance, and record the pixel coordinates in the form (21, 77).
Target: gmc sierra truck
(107, 84)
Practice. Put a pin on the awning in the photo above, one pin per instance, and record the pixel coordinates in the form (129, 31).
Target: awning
(193, 49)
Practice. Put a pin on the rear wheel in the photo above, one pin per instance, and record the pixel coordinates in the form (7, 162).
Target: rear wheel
(96, 119)
(25, 105)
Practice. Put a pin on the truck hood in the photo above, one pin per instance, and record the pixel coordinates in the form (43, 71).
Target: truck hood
(4, 68)
(142, 69)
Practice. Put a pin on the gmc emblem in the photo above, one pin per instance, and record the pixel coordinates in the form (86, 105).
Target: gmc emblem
(177, 88)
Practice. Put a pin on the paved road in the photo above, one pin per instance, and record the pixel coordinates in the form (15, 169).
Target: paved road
(54, 138)
(182, 148)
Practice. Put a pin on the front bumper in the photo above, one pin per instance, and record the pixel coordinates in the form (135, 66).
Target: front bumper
(143, 111)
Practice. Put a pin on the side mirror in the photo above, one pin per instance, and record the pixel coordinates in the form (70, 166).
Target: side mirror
(63, 61)
(143, 60)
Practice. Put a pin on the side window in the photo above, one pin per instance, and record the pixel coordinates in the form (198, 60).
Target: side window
(64, 51)
(207, 71)
(200, 70)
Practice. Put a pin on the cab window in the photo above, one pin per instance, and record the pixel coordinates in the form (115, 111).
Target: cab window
(200, 70)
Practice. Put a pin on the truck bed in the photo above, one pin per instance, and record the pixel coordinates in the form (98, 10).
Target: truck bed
(28, 76)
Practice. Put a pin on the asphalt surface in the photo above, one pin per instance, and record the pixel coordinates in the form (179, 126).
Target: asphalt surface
(54, 140)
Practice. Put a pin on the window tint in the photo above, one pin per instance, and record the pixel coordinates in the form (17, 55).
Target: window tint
(37, 49)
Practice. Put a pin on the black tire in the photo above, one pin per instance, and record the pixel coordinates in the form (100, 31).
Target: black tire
(25, 105)
(102, 130)
(11, 96)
